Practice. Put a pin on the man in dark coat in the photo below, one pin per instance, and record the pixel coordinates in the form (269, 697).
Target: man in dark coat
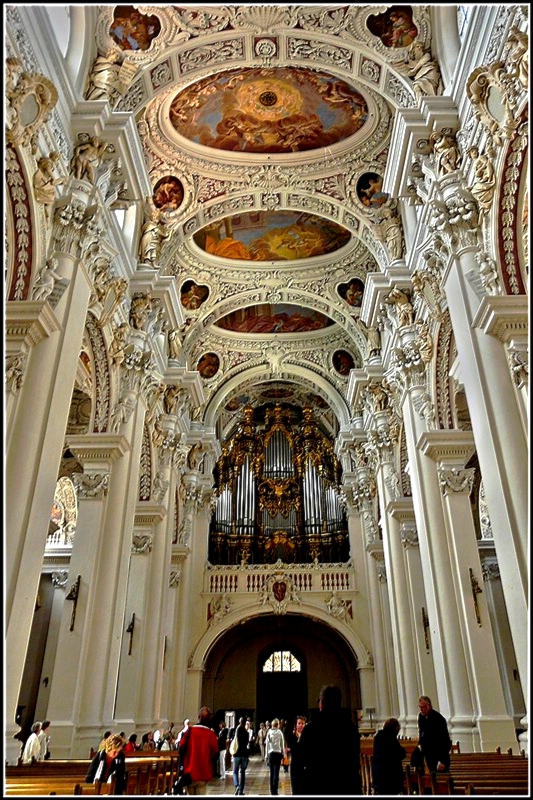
(433, 737)
(330, 749)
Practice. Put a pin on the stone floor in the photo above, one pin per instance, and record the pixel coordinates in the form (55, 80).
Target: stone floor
(257, 781)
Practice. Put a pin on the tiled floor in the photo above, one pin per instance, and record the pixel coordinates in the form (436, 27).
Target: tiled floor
(257, 781)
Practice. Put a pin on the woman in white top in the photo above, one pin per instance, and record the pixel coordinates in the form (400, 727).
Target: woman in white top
(274, 744)
(32, 748)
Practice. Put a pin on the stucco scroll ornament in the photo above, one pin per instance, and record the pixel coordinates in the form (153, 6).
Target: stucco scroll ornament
(30, 99)
(489, 92)
(15, 366)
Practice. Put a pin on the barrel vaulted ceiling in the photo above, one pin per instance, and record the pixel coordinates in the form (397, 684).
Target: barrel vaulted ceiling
(266, 132)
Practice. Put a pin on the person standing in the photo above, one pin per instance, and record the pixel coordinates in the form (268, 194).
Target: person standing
(109, 762)
(387, 767)
(32, 748)
(293, 750)
(44, 740)
(330, 749)
(433, 737)
(222, 738)
(240, 757)
(275, 745)
(261, 734)
(198, 748)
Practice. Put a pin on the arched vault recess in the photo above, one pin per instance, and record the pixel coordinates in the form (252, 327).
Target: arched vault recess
(261, 374)
(201, 650)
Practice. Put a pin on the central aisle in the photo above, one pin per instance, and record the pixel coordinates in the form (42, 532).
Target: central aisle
(257, 781)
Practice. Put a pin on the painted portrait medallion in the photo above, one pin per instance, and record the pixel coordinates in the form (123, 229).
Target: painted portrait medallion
(352, 292)
(208, 365)
(343, 362)
(192, 295)
(168, 193)
(132, 30)
(369, 190)
(395, 27)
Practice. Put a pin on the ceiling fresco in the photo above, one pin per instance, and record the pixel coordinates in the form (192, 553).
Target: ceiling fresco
(132, 30)
(268, 110)
(271, 236)
(267, 318)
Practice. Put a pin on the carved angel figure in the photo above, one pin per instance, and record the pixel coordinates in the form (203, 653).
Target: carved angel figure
(46, 281)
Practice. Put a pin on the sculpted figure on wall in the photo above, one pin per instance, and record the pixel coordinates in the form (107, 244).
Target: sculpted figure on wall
(423, 69)
(484, 180)
(103, 78)
(87, 157)
(44, 181)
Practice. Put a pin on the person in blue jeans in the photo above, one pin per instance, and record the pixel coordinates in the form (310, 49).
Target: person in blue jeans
(275, 745)
(240, 758)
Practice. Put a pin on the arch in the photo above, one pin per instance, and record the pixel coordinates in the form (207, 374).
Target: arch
(231, 665)
(259, 373)
(243, 613)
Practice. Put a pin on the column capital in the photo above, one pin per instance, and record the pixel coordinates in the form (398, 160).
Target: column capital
(148, 514)
(402, 509)
(447, 447)
(455, 480)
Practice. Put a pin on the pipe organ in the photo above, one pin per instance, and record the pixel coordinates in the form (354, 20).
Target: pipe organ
(277, 493)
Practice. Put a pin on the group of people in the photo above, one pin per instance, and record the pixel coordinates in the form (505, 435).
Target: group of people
(432, 753)
(330, 733)
(37, 747)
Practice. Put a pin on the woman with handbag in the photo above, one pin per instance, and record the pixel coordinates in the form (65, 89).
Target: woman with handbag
(275, 745)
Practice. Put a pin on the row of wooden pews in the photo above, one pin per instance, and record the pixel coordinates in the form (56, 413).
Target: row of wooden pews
(147, 774)
(470, 773)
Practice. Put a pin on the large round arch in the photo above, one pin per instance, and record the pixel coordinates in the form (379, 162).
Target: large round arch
(234, 679)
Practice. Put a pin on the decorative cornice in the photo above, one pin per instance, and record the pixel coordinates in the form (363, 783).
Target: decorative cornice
(503, 316)
(447, 447)
(149, 514)
(99, 447)
(29, 321)
(402, 509)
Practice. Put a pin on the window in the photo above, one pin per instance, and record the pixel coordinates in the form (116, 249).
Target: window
(281, 661)
(463, 17)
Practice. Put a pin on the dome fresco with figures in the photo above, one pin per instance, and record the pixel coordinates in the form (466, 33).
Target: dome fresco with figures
(268, 110)
(271, 236)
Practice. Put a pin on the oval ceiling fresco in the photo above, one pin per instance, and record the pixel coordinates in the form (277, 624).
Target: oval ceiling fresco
(271, 236)
(274, 110)
(278, 318)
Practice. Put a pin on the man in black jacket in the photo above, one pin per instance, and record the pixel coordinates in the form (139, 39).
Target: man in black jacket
(433, 737)
(330, 749)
